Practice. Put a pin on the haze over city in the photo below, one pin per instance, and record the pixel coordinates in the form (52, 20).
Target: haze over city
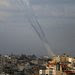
(56, 17)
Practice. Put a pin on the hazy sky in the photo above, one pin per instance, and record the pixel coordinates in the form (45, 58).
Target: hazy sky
(57, 19)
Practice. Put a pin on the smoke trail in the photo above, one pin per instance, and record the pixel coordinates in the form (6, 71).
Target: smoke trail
(19, 3)
(35, 21)
(36, 25)
(38, 28)
(35, 17)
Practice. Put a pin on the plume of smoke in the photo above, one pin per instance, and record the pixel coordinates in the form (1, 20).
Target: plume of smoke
(36, 25)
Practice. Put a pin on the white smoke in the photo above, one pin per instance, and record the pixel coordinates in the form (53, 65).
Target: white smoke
(36, 25)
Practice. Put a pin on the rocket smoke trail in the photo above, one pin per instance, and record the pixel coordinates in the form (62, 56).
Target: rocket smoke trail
(36, 25)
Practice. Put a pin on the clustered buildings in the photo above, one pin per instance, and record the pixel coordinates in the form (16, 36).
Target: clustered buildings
(31, 65)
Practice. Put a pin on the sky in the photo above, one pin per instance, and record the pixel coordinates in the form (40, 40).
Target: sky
(56, 17)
